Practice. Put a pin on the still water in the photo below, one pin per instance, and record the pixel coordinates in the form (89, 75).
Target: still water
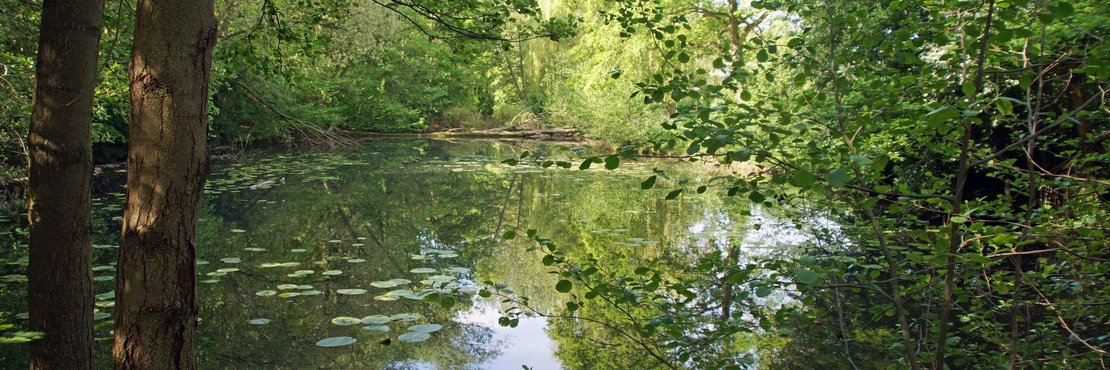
(326, 259)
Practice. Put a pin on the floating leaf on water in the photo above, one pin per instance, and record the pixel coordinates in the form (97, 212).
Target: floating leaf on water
(255, 249)
(336, 342)
(448, 255)
(351, 291)
(298, 250)
(361, 238)
(460, 270)
(209, 281)
(346, 320)
(413, 337)
(405, 317)
(357, 245)
(265, 293)
(289, 294)
(304, 287)
(110, 277)
(426, 328)
(259, 321)
(356, 260)
(304, 272)
(312, 292)
(441, 278)
(287, 286)
(377, 328)
(98, 268)
(418, 257)
(332, 272)
(108, 295)
(231, 260)
(390, 283)
(227, 269)
(335, 241)
(376, 319)
(386, 298)
(238, 231)
(423, 270)
(213, 273)
(269, 265)
(101, 315)
(201, 262)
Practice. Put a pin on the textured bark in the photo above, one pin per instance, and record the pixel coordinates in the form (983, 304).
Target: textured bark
(156, 310)
(60, 277)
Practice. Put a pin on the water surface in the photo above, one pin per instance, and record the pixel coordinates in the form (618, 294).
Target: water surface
(296, 248)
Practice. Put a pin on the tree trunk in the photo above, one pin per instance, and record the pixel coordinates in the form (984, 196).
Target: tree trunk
(166, 169)
(60, 275)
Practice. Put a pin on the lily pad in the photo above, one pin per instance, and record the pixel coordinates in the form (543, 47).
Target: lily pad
(413, 337)
(237, 231)
(332, 272)
(346, 320)
(110, 277)
(298, 250)
(426, 328)
(259, 321)
(356, 260)
(304, 272)
(227, 269)
(312, 292)
(213, 273)
(377, 328)
(231, 260)
(335, 241)
(287, 286)
(255, 249)
(423, 270)
(376, 319)
(405, 317)
(265, 293)
(289, 294)
(351, 291)
(386, 298)
(101, 315)
(336, 342)
(460, 270)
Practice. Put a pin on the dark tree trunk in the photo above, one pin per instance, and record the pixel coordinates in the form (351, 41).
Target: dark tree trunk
(156, 308)
(60, 274)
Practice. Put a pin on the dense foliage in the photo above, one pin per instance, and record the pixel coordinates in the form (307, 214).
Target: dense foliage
(960, 148)
(946, 160)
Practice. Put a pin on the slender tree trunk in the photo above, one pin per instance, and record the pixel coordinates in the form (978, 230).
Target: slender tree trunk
(166, 168)
(60, 278)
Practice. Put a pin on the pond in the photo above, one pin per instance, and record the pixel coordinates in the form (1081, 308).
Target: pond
(372, 257)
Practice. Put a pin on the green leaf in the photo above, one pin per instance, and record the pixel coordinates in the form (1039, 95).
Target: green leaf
(586, 164)
(612, 162)
(649, 183)
(563, 286)
(807, 276)
(804, 179)
(763, 291)
(838, 178)
(968, 88)
(508, 235)
(673, 194)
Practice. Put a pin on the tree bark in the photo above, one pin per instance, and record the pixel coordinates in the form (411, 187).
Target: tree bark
(166, 168)
(60, 291)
